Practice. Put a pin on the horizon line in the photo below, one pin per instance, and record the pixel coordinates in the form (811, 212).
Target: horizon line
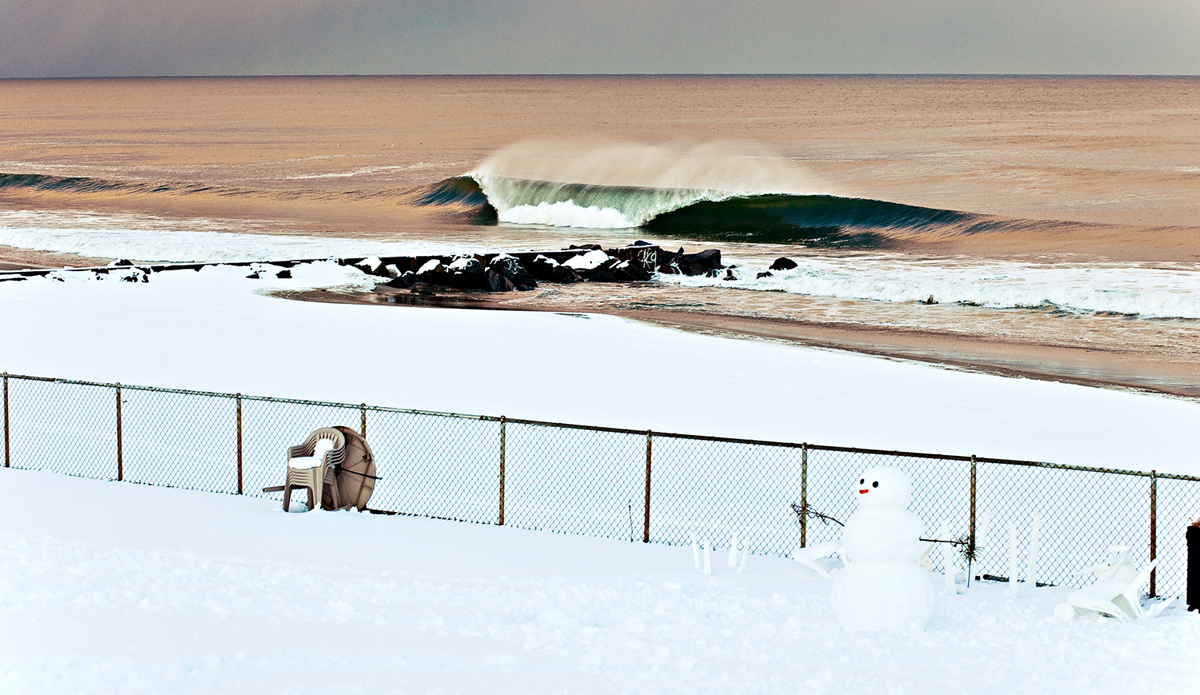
(620, 74)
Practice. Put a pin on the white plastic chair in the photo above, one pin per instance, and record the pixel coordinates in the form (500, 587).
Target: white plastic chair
(1116, 593)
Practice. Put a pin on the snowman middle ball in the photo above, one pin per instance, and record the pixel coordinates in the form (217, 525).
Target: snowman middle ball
(881, 586)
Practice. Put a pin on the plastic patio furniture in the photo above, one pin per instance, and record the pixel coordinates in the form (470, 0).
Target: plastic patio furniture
(310, 465)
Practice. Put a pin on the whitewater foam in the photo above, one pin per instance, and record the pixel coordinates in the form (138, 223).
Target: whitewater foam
(567, 214)
(1127, 289)
(203, 246)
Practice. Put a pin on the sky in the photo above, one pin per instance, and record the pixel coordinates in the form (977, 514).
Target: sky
(99, 38)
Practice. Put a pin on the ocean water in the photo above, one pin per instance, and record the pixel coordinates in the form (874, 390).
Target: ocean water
(1039, 199)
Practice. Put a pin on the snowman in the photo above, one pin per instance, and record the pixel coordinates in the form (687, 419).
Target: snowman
(881, 585)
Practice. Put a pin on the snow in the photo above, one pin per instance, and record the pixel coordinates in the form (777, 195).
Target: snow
(166, 590)
(120, 588)
(213, 330)
(587, 261)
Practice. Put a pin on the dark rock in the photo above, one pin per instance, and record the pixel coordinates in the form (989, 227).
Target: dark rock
(120, 262)
(764, 274)
(379, 270)
(563, 275)
(402, 282)
(784, 264)
(602, 276)
(496, 282)
(434, 273)
(253, 276)
(666, 269)
(729, 275)
(712, 273)
(585, 247)
(699, 263)
(542, 268)
(626, 271)
(466, 273)
(510, 267)
(639, 242)
(284, 274)
(928, 301)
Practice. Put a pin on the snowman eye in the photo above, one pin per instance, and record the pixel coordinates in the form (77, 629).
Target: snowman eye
(875, 484)
(862, 481)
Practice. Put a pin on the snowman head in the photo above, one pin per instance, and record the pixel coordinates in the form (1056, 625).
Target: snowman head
(883, 488)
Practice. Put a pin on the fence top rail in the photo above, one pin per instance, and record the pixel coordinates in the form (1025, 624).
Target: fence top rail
(614, 430)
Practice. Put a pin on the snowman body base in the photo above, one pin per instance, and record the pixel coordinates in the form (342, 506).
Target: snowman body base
(881, 596)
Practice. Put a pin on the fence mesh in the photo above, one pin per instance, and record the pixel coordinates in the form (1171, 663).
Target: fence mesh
(596, 481)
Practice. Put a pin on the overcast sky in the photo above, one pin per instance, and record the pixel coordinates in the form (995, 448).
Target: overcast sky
(64, 38)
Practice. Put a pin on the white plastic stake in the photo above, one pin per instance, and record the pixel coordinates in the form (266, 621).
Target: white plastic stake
(745, 554)
(733, 550)
(707, 556)
(1012, 558)
(695, 551)
(1035, 537)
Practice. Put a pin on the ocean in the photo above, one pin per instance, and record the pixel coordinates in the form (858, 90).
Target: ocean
(1017, 214)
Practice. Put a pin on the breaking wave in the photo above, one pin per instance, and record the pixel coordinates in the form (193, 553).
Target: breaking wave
(696, 213)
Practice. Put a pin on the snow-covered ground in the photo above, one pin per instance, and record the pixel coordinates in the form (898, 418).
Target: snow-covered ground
(117, 588)
(211, 331)
(110, 587)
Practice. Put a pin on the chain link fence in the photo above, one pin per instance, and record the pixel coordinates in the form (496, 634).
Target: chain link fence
(597, 481)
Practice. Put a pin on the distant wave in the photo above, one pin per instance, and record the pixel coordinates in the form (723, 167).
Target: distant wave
(85, 184)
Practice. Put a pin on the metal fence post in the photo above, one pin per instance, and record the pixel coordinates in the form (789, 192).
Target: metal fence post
(239, 440)
(120, 446)
(804, 495)
(971, 542)
(362, 409)
(972, 519)
(7, 453)
(646, 522)
(1153, 526)
(503, 447)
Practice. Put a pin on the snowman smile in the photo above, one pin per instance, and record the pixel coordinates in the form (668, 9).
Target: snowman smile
(863, 492)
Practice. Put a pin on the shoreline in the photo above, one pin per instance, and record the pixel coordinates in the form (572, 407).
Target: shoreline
(1087, 366)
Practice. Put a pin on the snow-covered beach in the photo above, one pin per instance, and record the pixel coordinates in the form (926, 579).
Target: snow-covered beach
(127, 588)
(117, 588)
